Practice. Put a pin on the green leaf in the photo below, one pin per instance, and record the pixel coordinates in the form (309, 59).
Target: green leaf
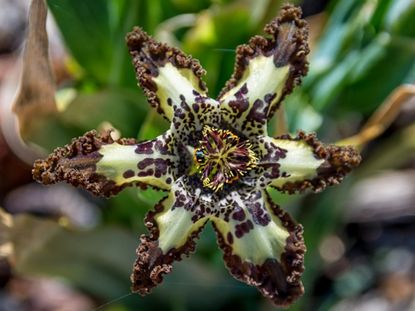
(213, 41)
(121, 108)
(153, 126)
(85, 26)
(98, 261)
(380, 68)
(400, 18)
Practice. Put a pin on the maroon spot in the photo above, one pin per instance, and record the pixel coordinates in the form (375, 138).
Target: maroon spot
(268, 98)
(274, 153)
(258, 112)
(239, 214)
(226, 216)
(238, 233)
(243, 228)
(239, 106)
(180, 200)
(161, 166)
(259, 215)
(128, 174)
(195, 108)
(162, 147)
(229, 237)
(144, 148)
(146, 173)
(242, 91)
(179, 113)
(273, 170)
(168, 180)
(271, 158)
(195, 218)
(144, 163)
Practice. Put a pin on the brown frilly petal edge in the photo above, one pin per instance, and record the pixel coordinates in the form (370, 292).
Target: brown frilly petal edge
(151, 264)
(149, 55)
(75, 163)
(277, 279)
(287, 47)
(339, 161)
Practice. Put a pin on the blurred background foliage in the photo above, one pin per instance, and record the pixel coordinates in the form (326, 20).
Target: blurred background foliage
(62, 247)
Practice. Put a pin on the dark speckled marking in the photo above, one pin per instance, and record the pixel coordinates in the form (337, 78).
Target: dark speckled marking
(270, 160)
(149, 172)
(162, 147)
(144, 163)
(258, 113)
(243, 228)
(259, 215)
(241, 103)
(229, 238)
(160, 166)
(145, 148)
(239, 214)
(128, 174)
(239, 106)
(268, 98)
(195, 108)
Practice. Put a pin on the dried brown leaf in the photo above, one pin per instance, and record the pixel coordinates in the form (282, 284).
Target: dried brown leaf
(36, 95)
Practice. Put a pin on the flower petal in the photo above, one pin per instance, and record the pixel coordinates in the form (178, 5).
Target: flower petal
(174, 225)
(262, 245)
(266, 70)
(172, 82)
(104, 166)
(293, 164)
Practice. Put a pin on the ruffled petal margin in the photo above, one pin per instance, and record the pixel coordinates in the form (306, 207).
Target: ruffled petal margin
(174, 224)
(172, 83)
(105, 166)
(294, 164)
(266, 70)
(262, 245)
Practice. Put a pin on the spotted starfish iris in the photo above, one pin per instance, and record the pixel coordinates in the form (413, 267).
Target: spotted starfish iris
(216, 160)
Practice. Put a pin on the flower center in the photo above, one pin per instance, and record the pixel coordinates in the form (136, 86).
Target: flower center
(222, 158)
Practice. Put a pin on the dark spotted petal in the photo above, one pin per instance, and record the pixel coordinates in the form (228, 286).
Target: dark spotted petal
(266, 70)
(104, 166)
(262, 245)
(174, 225)
(293, 164)
(172, 83)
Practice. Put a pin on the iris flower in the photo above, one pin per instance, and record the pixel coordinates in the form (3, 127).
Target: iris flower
(216, 161)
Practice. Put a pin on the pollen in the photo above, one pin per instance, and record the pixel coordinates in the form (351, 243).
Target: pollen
(222, 158)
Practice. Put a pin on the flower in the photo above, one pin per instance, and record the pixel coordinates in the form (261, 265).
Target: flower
(216, 160)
